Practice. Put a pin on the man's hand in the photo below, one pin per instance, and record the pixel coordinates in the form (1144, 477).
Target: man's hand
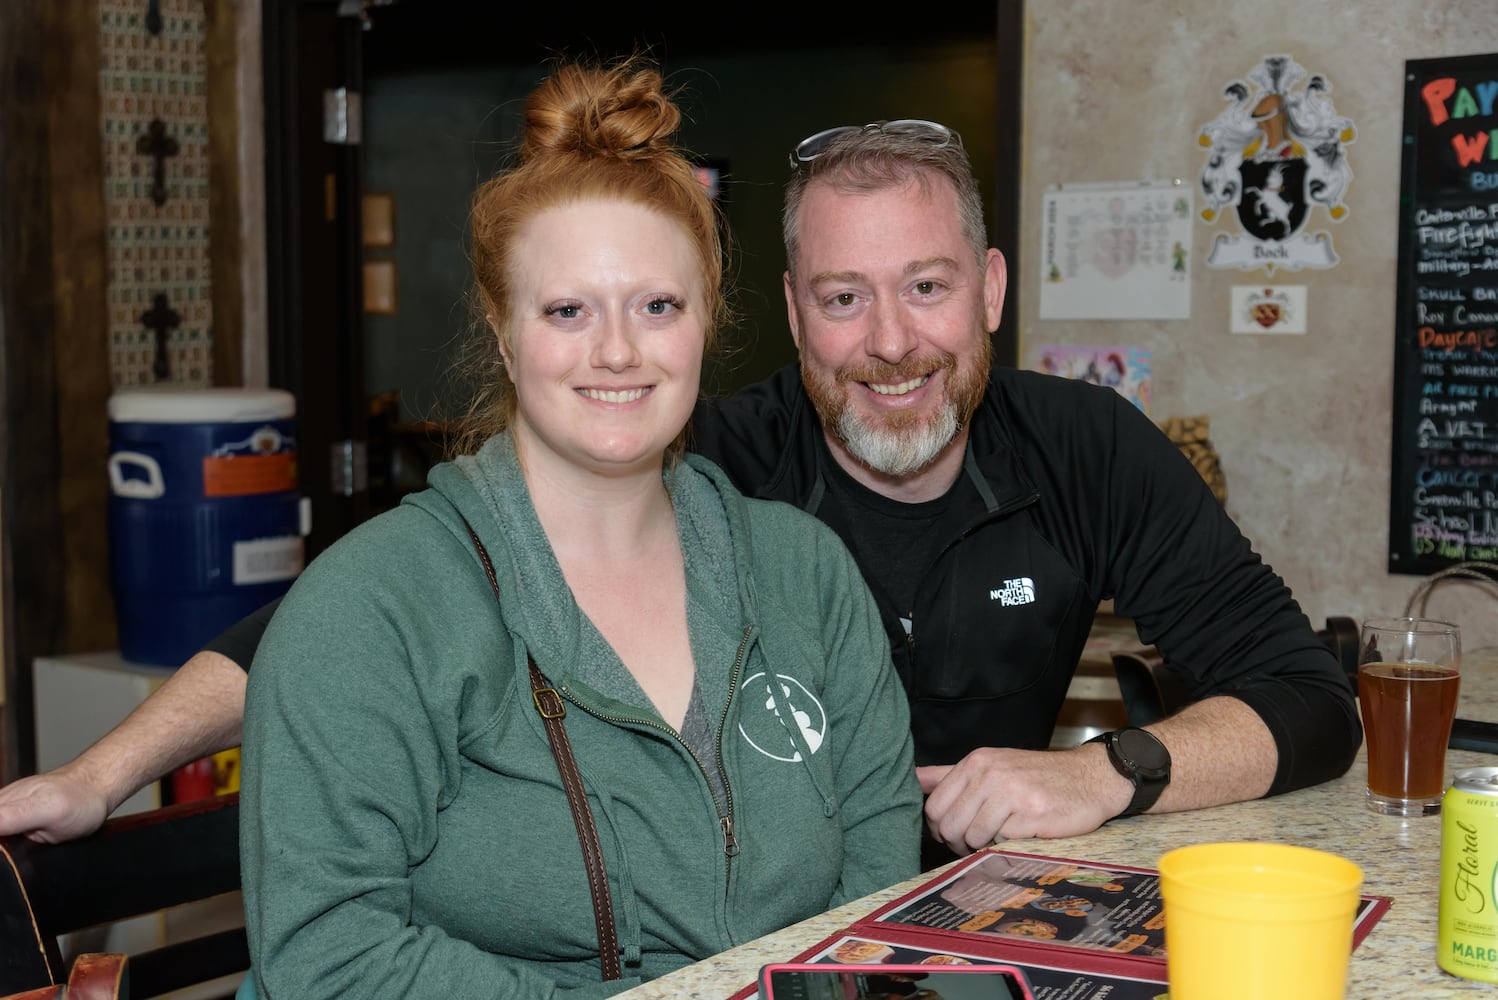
(995, 793)
(195, 713)
(52, 807)
(1220, 751)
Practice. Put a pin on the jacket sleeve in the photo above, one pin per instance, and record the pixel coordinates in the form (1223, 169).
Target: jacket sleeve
(1221, 618)
(345, 768)
(880, 800)
(745, 434)
(239, 641)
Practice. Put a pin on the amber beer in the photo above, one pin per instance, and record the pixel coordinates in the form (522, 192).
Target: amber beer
(1468, 935)
(1407, 713)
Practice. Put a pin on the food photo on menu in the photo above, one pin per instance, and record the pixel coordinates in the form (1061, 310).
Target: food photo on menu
(1056, 903)
(1043, 899)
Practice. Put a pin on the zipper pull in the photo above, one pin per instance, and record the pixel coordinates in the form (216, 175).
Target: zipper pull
(730, 842)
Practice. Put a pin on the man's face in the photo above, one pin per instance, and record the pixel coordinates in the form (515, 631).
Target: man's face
(892, 313)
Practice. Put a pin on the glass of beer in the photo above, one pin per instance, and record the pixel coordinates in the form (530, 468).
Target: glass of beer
(1408, 677)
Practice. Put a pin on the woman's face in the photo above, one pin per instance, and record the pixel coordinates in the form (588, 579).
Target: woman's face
(607, 332)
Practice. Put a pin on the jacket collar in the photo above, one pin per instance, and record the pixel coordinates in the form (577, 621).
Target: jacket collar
(992, 462)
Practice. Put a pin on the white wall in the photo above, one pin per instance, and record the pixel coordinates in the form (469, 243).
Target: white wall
(1118, 91)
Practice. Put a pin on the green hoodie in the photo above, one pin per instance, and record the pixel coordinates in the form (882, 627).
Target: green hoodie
(404, 828)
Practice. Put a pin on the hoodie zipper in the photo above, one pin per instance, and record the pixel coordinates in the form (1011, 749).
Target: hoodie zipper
(725, 821)
(730, 842)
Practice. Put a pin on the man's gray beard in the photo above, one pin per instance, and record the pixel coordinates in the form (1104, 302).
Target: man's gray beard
(902, 452)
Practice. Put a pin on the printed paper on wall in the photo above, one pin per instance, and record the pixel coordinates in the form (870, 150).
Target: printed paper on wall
(1123, 369)
(1116, 251)
(1268, 309)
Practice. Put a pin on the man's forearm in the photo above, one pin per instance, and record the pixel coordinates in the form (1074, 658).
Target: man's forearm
(1220, 751)
(198, 711)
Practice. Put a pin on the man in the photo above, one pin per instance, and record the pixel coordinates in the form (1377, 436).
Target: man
(990, 511)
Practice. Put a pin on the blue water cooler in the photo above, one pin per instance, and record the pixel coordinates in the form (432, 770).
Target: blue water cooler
(205, 521)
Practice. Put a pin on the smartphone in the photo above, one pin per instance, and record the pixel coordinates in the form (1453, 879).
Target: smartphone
(807, 981)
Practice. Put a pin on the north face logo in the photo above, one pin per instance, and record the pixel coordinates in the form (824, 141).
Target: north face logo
(1018, 591)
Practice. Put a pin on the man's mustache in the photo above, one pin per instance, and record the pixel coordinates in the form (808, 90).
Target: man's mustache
(883, 372)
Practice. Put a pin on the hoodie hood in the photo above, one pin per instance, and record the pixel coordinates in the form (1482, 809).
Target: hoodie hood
(489, 491)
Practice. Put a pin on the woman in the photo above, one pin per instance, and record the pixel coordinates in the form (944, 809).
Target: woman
(741, 736)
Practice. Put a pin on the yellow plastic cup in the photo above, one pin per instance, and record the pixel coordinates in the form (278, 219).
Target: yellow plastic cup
(1251, 921)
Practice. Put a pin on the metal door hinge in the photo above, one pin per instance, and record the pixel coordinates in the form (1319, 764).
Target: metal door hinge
(342, 111)
(349, 473)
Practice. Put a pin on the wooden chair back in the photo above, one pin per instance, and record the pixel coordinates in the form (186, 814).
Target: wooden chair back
(93, 977)
(133, 865)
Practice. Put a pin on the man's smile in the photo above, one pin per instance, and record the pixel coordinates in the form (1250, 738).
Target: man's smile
(899, 388)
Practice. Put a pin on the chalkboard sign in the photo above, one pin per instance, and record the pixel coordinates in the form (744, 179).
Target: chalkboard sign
(1444, 502)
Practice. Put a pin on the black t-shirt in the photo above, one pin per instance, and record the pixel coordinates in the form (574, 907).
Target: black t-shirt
(893, 542)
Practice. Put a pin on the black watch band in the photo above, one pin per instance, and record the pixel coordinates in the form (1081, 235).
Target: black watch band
(1138, 755)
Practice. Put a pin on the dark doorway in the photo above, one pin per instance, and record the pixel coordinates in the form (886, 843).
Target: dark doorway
(313, 165)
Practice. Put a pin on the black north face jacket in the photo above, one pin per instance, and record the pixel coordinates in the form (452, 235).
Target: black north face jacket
(1077, 498)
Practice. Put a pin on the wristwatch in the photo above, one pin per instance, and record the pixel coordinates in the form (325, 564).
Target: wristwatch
(1139, 756)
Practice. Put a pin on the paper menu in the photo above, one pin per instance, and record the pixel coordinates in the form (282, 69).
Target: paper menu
(1081, 930)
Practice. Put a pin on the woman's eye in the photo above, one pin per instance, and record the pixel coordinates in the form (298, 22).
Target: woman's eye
(661, 306)
(564, 310)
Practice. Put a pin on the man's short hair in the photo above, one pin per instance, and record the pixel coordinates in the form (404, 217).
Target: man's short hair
(870, 160)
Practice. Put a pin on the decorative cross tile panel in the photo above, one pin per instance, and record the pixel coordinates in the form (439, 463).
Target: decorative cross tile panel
(156, 249)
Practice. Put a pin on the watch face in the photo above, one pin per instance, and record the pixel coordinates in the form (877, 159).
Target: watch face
(1148, 754)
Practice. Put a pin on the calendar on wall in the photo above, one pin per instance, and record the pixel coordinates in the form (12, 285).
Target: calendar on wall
(1116, 251)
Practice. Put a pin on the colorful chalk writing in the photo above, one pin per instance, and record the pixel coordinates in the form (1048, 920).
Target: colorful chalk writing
(1461, 114)
(1444, 490)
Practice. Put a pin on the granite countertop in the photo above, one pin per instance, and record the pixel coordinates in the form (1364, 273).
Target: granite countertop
(1399, 857)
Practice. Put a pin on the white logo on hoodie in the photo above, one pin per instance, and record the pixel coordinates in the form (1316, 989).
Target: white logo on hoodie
(805, 711)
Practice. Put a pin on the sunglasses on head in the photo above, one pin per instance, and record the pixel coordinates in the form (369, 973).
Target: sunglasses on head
(815, 145)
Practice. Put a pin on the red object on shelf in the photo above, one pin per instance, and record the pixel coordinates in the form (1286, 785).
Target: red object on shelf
(193, 781)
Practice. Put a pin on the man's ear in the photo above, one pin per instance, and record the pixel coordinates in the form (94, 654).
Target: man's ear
(995, 282)
(791, 316)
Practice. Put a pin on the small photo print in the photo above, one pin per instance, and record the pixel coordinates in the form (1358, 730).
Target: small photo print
(1269, 309)
(1126, 370)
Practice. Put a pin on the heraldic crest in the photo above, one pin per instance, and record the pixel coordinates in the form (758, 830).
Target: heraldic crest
(1274, 154)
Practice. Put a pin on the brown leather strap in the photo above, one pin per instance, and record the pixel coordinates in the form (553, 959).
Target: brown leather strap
(552, 709)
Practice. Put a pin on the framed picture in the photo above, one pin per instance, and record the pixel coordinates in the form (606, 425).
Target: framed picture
(379, 219)
(379, 287)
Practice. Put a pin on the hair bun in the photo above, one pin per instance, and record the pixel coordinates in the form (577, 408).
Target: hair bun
(620, 111)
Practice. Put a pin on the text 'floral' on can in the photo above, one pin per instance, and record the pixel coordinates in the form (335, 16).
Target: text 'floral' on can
(1468, 936)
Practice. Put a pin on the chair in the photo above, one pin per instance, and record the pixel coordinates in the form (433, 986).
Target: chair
(93, 977)
(133, 865)
(1341, 634)
(1466, 734)
(1151, 689)
(1483, 575)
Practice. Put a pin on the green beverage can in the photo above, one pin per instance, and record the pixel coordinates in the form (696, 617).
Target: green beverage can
(1468, 941)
